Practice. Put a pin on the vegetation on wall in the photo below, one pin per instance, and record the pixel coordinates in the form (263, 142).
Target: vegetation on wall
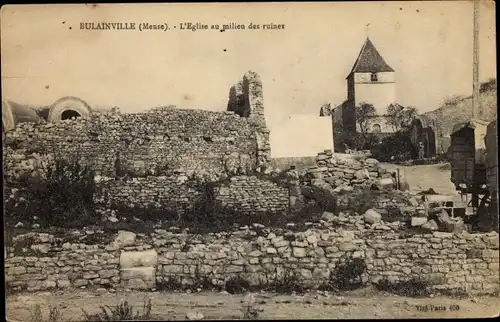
(60, 194)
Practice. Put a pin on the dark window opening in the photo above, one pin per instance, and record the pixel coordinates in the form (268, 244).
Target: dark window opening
(208, 139)
(68, 114)
(374, 77)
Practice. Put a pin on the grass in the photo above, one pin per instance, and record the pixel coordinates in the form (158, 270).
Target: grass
(55, 314)
(121, 312)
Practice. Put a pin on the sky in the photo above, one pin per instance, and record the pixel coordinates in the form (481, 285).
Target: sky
(429, 44)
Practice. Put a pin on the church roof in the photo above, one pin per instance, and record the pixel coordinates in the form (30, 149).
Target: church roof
(370, 61)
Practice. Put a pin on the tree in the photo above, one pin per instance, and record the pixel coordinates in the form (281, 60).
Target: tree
(364, 114)
(326, 109)
(400, 117)
(343, 139)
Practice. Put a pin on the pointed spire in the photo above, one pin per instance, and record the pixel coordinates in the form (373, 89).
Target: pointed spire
(369, 60)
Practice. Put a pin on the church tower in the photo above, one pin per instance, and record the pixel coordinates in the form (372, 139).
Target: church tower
(371, 80)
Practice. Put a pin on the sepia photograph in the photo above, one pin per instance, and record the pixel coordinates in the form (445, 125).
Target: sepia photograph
(250, 161)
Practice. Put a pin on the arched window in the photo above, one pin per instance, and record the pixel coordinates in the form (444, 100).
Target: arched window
(374, 77)
(376, 128)
(69, 114)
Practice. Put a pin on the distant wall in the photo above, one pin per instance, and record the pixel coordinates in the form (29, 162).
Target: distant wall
(381, 121)
(446, 116)
(301, 136)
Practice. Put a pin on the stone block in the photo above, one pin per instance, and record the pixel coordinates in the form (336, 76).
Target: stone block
(80, 282)
(418, 221)
(125, 238)
(138, 278)
(172, 269)
(299, 252)
(148, 258)
(372, 217)
(63, 283)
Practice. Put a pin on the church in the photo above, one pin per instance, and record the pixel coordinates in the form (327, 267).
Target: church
(371, 81)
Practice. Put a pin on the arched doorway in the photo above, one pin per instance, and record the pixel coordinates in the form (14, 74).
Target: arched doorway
(68, 114)
(376, 128)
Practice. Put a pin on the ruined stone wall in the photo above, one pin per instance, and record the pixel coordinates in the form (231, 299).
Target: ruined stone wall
(246, 99)
(157, 141)
(467, 262)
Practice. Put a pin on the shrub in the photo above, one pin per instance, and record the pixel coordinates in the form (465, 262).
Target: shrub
(286, 283)
(398, 145)
(198, 282)
(413, 287)
(60, 195)
(250, 312)
(237, 284)
(169, 285)
(347, 275)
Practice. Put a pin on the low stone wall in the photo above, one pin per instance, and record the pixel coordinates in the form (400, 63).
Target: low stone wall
(250, 195)
(149, 192)
(448, 261)
(246, 194)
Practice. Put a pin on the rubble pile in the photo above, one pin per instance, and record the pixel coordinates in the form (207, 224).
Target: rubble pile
(341, 170)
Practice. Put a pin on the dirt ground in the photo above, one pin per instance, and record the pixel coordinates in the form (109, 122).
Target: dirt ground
(174, 306)
(423, 177)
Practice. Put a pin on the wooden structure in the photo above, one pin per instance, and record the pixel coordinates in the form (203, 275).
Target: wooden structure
(491, 143)
(467, 153)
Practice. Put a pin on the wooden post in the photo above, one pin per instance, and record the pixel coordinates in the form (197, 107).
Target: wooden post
(476, 105)
(397, 180)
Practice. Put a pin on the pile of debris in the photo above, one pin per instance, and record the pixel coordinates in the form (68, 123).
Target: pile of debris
(441, 213)
(340, 170)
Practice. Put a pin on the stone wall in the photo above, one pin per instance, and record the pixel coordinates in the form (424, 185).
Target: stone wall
(448, 261)
(160, 140)
(250, 195)
(171, 192)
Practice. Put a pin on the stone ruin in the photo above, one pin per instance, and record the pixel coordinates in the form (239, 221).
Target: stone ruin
(162, 149)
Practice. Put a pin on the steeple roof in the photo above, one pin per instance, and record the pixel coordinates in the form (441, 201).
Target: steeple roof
(370, 61)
